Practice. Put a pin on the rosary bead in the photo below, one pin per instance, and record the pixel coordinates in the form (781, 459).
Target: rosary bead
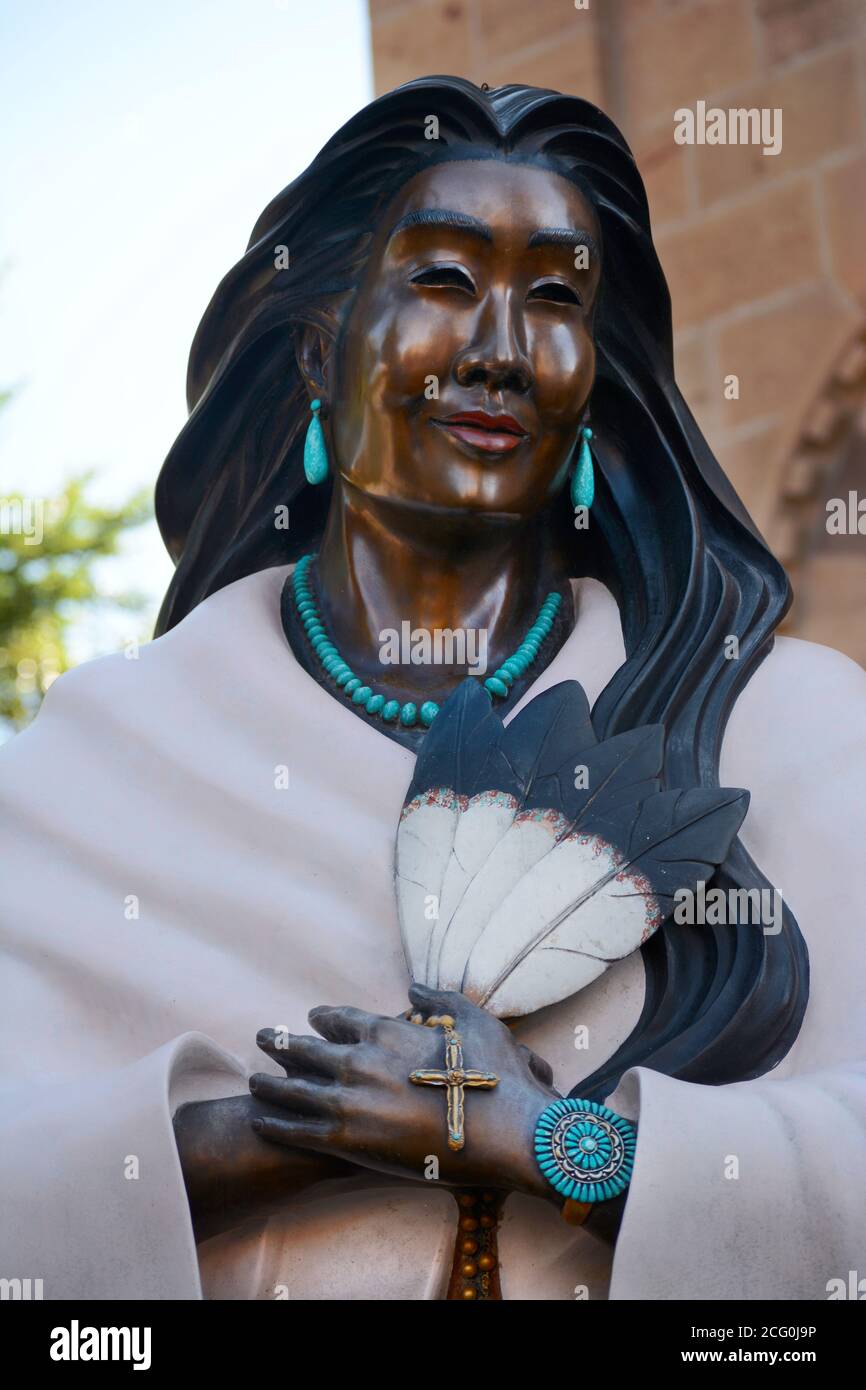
(408, 714)
(469, 1293)
(468, 1223)
(467, 1199)
(361, 695)
(351, 686)
(486, 1262)
(469, 1247)
(469, 1270)
(374, 704)
(391, 710)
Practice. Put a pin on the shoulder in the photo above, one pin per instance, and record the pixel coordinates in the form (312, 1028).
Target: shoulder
(206, 660)
(801, 716)
(797, 740)
(806, 668)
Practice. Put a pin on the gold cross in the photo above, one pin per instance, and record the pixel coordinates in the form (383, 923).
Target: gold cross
(455, 1077)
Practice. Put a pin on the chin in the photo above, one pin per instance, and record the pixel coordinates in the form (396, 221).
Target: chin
(478, 511)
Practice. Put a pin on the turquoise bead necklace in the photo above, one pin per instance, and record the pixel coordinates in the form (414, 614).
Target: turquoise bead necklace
(408, 714)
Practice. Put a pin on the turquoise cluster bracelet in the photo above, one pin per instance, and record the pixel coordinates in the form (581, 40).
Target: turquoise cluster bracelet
(332, 663)
(585, 1151)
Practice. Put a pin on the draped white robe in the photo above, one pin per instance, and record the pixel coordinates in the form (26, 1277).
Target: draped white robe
(164, 896)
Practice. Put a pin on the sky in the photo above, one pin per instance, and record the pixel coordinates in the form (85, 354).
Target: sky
(139, 144)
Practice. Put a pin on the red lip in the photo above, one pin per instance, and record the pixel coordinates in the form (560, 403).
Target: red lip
(483, 433)
(479, 419)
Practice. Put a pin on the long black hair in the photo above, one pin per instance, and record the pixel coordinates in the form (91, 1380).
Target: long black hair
(669, 536)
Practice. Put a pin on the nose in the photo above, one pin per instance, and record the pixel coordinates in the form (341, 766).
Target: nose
(495, 358)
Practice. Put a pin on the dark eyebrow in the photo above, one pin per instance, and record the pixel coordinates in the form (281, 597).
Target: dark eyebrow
(441, 217)
(563, 236)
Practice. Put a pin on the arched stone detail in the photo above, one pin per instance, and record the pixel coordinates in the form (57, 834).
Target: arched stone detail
(827, 460)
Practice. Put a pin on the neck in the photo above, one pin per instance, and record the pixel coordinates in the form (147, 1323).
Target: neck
(381, 566)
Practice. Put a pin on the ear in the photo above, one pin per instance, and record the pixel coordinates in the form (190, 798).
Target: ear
(314, 346)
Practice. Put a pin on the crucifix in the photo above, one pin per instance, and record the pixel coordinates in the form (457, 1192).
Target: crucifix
(455, 1078)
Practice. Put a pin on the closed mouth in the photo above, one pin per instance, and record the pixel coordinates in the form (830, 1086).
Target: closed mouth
(492, 434)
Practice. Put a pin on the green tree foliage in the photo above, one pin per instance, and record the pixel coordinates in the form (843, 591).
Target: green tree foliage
(49, 554)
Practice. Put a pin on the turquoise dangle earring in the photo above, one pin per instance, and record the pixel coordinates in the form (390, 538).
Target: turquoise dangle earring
(583, 477)
(315, 453)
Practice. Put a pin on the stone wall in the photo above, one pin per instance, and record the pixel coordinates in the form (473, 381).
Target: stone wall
(765, 255)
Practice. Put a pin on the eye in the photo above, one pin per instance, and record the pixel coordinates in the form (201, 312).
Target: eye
(445, 277)
(554, 292)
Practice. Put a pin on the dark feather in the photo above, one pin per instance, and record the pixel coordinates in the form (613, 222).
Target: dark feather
(464, 732)
(625, 768)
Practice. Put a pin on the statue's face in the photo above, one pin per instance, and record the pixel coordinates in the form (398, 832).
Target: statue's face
(467, 357)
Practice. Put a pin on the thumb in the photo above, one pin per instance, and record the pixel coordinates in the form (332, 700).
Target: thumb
(430, 1002)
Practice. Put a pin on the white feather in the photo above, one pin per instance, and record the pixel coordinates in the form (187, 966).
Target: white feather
(568, 917)
(530, 837)
(481, 824)
(424, 841)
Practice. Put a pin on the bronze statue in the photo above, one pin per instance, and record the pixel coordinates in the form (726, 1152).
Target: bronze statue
(469, 276)
(440, 387)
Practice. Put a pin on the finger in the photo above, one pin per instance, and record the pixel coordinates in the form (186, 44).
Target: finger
(541, 1070)
(432, 1002)
(309, 1133)
(295, 1094)
(343, 1025)
(296, 1053)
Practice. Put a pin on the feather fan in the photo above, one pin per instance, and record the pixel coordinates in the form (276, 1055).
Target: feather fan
(531, 857)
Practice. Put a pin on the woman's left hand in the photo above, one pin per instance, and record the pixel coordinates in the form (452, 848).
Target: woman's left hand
(347, 1093)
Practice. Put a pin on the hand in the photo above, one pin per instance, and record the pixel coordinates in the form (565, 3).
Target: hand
(229, 1175)
(347, 1094)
